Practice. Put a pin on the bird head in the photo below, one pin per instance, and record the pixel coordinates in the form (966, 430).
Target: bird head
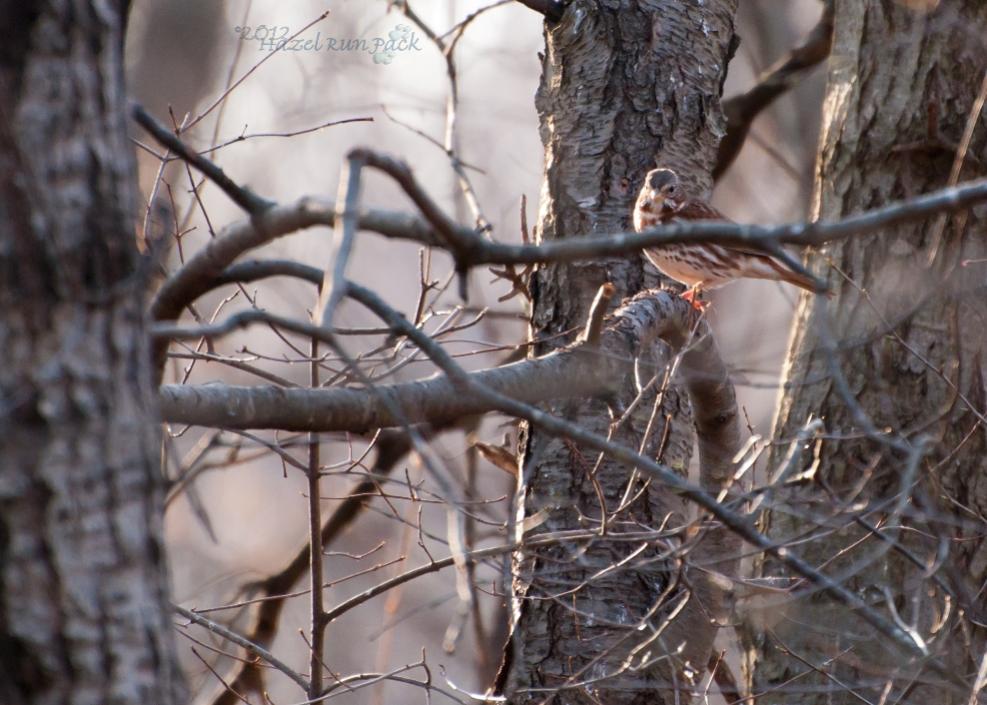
(658, 199)
(663, 183)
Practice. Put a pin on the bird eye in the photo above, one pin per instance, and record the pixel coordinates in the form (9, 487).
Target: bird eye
(670, 188)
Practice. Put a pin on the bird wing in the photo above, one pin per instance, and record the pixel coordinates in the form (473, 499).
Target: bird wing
(694, 210)
(697, 210)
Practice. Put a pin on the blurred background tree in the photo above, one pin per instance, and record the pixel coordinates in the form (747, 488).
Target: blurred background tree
(893, 374)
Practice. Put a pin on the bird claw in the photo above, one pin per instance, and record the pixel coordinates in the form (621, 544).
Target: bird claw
(692, 296)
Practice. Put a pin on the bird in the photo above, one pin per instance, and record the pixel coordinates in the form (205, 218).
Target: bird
(702, 265)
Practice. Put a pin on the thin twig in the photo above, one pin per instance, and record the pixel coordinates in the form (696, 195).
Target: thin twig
(241, 195)
(316, 610)
(253, 648)
(959, 159)
(391, 447)
(737, 523)
(232, 86)
(293, 133)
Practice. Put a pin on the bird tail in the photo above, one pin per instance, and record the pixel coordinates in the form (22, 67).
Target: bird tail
(804, 281)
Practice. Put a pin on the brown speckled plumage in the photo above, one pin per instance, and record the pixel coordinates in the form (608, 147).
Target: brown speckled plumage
(700, 265)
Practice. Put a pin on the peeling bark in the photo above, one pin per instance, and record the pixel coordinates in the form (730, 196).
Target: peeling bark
(625, 83)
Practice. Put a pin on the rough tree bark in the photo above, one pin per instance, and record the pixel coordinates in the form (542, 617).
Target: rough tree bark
(83, 611)
(624, 83)
(902, 85)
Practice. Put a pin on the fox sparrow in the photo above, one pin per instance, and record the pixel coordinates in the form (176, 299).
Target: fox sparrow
(700, 265)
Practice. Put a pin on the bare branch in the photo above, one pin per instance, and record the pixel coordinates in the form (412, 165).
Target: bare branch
(252, 270)
(446, 229)
(714, 412)
(470, 249)
(460, 385)
(344, 233)
(294, 133)
(241, 195)
(957, 198)
(598, 309)
(391, 447)
(199, 274)
(475, 555)
(253, 648)
(743, 526)
(740, 110)
(575, 371)
(243, 319)
(317, 626)
(551, 9)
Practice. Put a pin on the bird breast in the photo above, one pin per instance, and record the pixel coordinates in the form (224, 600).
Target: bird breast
(691, 264)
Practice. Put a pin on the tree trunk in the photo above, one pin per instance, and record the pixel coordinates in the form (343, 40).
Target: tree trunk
(84, 616)
(902, 348)
(625, 83)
